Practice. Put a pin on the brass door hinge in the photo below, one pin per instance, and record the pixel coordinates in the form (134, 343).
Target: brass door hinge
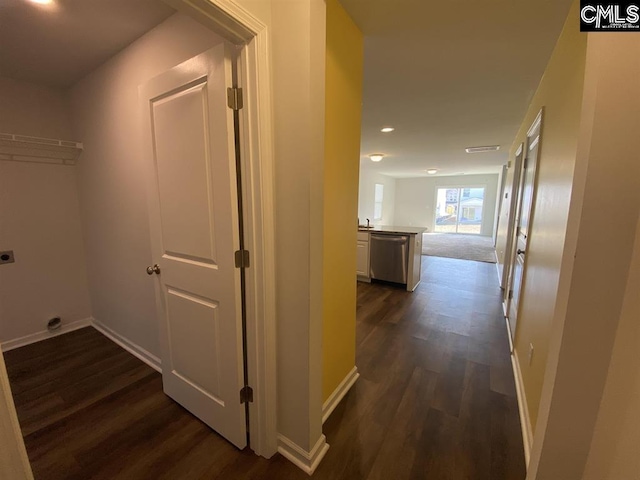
(246, 394)
(234, 98)
(242, 258)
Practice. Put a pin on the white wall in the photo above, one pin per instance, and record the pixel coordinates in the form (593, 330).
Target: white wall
(39, 221)
(416, 199)
(614, 449)
(112, 185)
(368, 179)
(31, 109)
(298, 65)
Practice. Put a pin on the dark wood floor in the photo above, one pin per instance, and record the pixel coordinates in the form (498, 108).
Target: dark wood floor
(435, 399)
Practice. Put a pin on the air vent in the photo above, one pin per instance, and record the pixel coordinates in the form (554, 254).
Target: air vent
(490, 148)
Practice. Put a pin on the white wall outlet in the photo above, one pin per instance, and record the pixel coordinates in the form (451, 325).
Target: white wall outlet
(530, 357)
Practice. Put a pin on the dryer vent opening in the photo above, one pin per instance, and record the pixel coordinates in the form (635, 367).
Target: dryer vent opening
(54, 324)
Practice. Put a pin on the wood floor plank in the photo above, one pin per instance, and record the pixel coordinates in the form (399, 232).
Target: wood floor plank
(435, 399)
(436, 458)
(405, 429)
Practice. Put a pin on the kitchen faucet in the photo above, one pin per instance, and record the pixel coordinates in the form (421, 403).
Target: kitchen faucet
(368, 226)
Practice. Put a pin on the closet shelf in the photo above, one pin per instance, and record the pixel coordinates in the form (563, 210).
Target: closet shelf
(22, 148)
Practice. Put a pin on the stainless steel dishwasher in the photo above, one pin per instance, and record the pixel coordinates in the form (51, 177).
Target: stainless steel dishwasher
(388, 257)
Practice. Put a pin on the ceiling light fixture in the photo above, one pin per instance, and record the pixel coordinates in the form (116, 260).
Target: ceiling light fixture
(489, 148)
(387, 129)
(432, 171)
(42, 2)
(376, 157)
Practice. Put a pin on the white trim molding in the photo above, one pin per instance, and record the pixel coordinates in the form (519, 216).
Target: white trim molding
(523, 408)
(338, 394)
(306, 461)
(509, 334)
(135, 350)
(45, 334)
(14, 463)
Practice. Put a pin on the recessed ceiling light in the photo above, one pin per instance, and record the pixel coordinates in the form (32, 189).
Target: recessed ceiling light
(376, 157)
(42, 2)
(432, 171)
(489, 148)
(387, 129)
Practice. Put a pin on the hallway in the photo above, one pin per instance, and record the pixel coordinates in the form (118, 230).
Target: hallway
(435, 398)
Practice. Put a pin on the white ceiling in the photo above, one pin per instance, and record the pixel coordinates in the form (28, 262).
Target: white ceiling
(446, 75)
(450, 75)
(58, 44)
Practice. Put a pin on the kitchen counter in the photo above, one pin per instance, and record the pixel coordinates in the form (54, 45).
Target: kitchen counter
(413, 261)
(394, 230)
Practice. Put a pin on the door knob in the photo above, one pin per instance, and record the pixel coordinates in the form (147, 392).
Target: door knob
(155, 269)
(519, 252)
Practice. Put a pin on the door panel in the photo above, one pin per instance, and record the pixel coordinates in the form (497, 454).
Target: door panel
(528, 186)
(506, 223)
(180, 125)
(513, 247)
(195, 362)
(194, 232)
(518, 269)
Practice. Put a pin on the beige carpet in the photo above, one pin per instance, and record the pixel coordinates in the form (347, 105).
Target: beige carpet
(465, 247)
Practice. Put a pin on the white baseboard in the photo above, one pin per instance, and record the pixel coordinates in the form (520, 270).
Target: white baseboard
(498, 270)
(45, 334)
(306, 461)
(338, 394)
(525, 421)
(509, 334)
(135, 350)
(504, 309)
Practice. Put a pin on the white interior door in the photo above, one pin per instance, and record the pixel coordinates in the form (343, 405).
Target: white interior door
(524, 212)
(506, 221)
(194, 230)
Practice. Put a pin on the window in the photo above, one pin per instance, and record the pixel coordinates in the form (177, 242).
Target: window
(377, 201)
(459, 210)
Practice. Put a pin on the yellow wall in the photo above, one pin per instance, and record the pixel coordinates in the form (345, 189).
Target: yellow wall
(560, 93)
(344, 69)
(598, 291)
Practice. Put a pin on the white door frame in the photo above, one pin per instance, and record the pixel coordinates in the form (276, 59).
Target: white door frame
(14, 462)
(240, 27)
(531, 163)
(511, 228)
